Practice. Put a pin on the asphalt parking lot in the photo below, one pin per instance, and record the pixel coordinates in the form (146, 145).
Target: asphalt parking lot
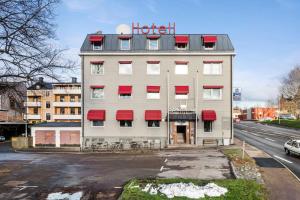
(100, 175)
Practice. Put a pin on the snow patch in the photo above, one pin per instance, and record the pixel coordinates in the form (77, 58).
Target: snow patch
(64, 196)
(186, 190)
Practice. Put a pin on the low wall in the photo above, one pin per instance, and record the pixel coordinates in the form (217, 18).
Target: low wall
(21, 142)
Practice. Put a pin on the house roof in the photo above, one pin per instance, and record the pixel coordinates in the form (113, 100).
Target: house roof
(166, 43)
(58, 124)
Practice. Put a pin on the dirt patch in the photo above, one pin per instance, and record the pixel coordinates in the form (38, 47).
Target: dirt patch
(14, 183)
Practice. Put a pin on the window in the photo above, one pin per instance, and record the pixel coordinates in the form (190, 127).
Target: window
(12, 104)
(209, 45)
(124, 96)
(153, 123)
(47, 93)
(48, 116)
(62, 111)
(98, 123)
(97, 45)
(153, 95)
(181, 96)
(124, 44)
(35, 111)
(181, 69)
(97, 93)
(72, 98)
(72, 111)
(212, 94)
(153, 69)
(207, 126)
(125, 69)
(97, 69)
(181, 46)
(212, 68)
(47, 104)
(125, 123)
(35, 99)
(62, 99)
(79, 111)
(153, 44)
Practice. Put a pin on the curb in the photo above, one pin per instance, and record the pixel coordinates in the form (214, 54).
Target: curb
(233, 170)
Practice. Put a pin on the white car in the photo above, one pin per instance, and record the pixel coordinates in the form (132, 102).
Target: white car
(2, 138)
(292, 147)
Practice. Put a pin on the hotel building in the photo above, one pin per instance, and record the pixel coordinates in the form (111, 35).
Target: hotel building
(165, 89)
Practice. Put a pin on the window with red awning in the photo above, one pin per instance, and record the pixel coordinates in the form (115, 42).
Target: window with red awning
(209, 39)
(213, 86)
(97, 86)
(124, 115)
(96, 38)
(153, 115)
(153, 89)
(96, 115)
(181, 89)
(209, 115)
(181, 39)
(125, 89)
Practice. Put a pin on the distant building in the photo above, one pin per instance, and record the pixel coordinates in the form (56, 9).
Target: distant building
(53, 102)
(259, 113)
(290, 106)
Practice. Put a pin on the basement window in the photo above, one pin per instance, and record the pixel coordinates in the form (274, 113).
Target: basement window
(125, 123)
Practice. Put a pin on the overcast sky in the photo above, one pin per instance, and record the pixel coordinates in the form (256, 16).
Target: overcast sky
(265, 33)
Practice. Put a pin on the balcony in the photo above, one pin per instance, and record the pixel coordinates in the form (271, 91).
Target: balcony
(66, 104)
(29, 116)
(69, 117)
(66, 91)
(32, 104)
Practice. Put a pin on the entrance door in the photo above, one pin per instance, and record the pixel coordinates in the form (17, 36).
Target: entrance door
(181, 134)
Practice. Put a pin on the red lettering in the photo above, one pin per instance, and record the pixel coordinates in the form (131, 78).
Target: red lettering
(153, 29)
(162, 30)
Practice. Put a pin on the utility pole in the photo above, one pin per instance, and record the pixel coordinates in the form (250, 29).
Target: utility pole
(279, 110)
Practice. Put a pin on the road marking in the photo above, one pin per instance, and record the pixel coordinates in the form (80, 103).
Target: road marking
(117, 187)
(166, 160)
(270, 139)
(162, 167)
(283, 159)
(22, 187)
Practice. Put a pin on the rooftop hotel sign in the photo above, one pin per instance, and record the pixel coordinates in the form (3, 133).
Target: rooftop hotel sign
(153, 29)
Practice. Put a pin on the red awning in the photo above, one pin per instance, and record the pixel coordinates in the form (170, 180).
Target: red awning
(124, 115)
(124, 37)
(125, 89)
(96, 115)
(212, 61)
(97, 62)
(181, 39)
(213, 86)
(96, 38)
(153, 36)
(209, 115)
(153, 115)
(153, 89)
(97, 86)
(181, 62)
(209, 38)
(125, 62)
(153, 62)
(181, 89)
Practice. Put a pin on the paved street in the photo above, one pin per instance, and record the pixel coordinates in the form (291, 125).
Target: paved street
(269, 139)
(99, 176)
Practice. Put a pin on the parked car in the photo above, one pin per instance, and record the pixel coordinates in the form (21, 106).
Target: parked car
(292, 147)
(287, 116)
(2, 138)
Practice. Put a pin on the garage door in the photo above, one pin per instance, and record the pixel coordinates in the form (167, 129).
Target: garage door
(44, 138)
(70, 138)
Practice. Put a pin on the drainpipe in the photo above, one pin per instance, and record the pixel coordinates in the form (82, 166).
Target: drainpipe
(82, 102)
(168, 108)
(196, 106)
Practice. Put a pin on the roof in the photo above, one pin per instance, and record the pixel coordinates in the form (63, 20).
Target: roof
(48, 86)
(167, 43)
(58, 124)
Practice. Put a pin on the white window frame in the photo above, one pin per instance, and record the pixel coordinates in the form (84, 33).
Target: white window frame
(182, 96)
(210, 71)
(126, 126)
(149, 46)
(156, 95)
(92, 91)
(211, 127)
(209, 48)
(100, 47)
(159, 121)
(95, 73)
(178, 48)
(152, 65)
(178, 72)
(120, 64)
(121, 44)
(125, 97)
(211, 94)
(92, 124)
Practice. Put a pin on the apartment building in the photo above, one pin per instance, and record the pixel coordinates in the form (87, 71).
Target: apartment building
(53, 102)
(169, 89)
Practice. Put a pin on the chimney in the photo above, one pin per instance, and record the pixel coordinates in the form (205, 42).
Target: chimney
(41, 79)
(74, 80)
(99, 32)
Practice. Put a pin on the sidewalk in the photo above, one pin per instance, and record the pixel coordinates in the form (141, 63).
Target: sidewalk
(280, 183)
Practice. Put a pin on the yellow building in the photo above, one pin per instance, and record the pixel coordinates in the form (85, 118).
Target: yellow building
(53, 102)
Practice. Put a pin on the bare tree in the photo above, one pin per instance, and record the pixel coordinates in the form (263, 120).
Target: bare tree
(27, 32)
(291, 83)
